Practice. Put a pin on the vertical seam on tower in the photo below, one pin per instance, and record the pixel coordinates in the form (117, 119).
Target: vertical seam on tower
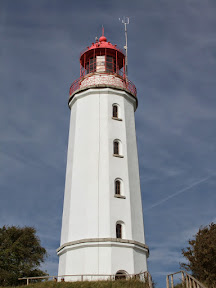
(127, 169)
(98, 173)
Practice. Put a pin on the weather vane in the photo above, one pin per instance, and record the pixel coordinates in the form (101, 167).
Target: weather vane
(125, 21)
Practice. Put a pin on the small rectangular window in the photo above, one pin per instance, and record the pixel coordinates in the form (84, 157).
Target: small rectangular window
(118, 231)
(116, 148)
(115, 111)
(117, 187)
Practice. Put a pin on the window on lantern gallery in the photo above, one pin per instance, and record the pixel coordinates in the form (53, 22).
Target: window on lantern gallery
(110, 64)
(116, 147)
(90, 65)
(100, 63)
(118, 230)
(115, 111)
(117, 187)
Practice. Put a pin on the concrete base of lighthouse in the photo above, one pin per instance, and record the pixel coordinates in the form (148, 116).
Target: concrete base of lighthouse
(101, 259)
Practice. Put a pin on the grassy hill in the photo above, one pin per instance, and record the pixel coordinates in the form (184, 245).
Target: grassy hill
(87, 284)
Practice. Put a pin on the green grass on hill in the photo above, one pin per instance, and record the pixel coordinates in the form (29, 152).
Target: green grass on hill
(87, 284)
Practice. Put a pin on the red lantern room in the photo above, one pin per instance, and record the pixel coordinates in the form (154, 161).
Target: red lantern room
(102, 65)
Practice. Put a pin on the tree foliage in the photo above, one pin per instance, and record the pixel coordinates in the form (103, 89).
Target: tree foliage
(201, 255)
(20, 254)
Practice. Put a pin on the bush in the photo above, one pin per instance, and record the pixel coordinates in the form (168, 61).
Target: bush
(201, 255)
(20, 254)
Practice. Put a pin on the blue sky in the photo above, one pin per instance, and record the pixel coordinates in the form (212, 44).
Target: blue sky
(172, 61)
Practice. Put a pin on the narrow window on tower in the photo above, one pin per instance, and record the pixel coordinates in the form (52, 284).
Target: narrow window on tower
(115, 111)
(116, 147)
(118, 187)
(118, 230)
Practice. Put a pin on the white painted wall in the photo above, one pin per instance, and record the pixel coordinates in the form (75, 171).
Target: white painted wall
(90, 208)
(105, 259)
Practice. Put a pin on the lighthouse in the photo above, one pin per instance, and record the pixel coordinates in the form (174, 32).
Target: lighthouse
(102, 223)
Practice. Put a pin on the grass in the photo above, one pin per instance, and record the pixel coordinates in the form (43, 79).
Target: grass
(87, 284)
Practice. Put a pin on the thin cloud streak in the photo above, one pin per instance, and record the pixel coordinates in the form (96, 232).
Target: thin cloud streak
(178, 192)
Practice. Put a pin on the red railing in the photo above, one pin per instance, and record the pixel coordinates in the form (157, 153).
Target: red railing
(100, 79)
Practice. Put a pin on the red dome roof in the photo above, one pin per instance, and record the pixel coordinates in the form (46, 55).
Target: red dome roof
(103, 39)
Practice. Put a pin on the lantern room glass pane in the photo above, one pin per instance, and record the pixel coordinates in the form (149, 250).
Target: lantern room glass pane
(100, 62)
(91, 65)
(110, 64)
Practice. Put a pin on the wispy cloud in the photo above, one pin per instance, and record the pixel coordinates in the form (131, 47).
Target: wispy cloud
(178, 192)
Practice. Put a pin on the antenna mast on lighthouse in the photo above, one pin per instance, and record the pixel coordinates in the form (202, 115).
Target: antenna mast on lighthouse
(125, 21)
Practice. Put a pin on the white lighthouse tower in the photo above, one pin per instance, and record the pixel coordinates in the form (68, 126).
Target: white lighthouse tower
(102, 223)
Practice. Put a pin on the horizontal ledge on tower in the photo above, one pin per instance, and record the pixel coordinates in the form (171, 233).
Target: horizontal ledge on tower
(117, 155)
(102, 240)
(115, 118)
(119, 196)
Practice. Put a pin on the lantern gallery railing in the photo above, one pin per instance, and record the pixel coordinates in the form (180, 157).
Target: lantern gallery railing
(100, 79)
(143, 276)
